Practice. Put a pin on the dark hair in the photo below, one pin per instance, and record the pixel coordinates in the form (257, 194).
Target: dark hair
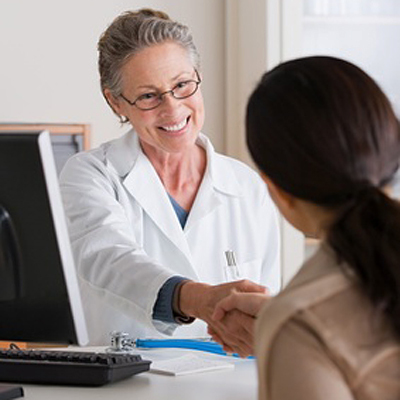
(322, 130)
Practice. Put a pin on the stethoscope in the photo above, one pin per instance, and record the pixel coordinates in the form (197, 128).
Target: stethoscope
(122, 343)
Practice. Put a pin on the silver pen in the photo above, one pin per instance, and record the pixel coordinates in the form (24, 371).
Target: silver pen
(232, 271)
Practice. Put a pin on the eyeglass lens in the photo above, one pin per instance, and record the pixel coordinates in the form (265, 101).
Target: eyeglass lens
(181, 91)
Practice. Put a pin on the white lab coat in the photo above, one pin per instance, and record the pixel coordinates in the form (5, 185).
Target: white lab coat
(127, 240)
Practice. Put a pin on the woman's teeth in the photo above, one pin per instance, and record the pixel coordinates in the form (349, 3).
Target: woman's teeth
(176, 127)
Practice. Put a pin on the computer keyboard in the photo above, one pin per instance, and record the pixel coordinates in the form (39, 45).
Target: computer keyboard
(61, 367)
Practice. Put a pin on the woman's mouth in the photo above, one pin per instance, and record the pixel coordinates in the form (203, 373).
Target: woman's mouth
(176, 127)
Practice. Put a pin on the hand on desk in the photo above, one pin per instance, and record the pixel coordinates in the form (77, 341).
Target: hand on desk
(235, 315)
(234, 329)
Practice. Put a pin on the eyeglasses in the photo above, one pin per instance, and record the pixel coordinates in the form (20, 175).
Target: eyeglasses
(151, 100)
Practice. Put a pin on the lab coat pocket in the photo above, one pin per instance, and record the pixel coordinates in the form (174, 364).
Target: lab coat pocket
(249, 270)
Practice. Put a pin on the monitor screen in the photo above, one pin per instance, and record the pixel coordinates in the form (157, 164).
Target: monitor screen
(39, 295)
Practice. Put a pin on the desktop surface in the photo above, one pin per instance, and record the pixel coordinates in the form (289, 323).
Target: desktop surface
(233, 384)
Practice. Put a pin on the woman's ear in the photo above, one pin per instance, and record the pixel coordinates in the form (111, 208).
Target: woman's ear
(281, 198)
(113, 102)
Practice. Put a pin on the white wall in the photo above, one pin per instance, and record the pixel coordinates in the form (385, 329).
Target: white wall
(250, 51)
(48, 60)
(256, 41)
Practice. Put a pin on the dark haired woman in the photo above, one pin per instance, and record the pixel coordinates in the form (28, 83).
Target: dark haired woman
(327, 142)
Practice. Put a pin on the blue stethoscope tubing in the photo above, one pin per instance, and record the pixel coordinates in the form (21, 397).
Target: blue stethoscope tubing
(193, 344)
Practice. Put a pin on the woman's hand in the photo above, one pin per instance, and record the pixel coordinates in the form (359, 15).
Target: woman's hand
(234, 328)
(240, 307)
(248, 303)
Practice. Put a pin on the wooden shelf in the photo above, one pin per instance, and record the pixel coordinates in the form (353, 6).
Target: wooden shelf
(82, 130)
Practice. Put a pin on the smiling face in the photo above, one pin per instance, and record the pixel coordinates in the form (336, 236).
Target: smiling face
(174, 125)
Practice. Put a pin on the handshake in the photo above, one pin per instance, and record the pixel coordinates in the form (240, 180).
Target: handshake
(229, 309)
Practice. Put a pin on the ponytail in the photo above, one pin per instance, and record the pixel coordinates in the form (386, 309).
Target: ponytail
(323, 131)
(367, 237)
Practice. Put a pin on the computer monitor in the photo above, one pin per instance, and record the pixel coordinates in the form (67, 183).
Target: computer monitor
(39, 294)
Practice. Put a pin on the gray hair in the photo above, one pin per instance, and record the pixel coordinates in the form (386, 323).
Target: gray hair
(132, 32)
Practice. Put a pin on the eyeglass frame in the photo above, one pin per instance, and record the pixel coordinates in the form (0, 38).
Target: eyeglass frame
(160, 96)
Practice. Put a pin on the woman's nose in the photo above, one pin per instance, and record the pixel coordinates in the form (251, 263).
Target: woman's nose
(169, 101)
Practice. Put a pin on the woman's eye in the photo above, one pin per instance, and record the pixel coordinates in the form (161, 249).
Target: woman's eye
(147, 96)
(181, 85)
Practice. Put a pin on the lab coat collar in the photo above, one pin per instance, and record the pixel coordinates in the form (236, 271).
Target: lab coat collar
(142, 181)
(123, 153)
(144, 184)
(218, 181)
(222, 177)
(125, 156)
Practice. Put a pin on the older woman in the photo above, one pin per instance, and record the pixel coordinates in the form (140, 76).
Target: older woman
(153, 213)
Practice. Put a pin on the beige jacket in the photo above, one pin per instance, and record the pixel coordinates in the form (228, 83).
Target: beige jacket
(320, 338)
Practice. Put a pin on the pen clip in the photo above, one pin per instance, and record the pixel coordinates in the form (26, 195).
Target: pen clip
(232, 271)
(230, 258)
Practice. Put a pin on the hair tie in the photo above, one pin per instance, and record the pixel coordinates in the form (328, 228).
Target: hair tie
(366, 189)
(367, 194)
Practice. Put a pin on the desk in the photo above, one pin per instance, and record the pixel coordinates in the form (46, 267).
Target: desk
(238, 383)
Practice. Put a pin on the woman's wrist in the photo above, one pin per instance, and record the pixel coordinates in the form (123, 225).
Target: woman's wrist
(179, 316)
(191, 296)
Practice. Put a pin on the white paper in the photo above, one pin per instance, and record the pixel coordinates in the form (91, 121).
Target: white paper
(188, 364)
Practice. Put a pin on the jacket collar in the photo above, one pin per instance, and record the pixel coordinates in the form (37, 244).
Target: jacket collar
(323, 262)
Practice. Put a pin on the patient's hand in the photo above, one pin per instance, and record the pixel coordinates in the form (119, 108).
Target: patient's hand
(199, 300)
(235, 315)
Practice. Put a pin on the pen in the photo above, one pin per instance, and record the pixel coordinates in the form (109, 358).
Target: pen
(231, 268)
(193, 344)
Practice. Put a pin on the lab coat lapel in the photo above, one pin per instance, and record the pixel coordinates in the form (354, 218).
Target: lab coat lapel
(207, 200)
(218, 181)
(146, 187)
(141, 180)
